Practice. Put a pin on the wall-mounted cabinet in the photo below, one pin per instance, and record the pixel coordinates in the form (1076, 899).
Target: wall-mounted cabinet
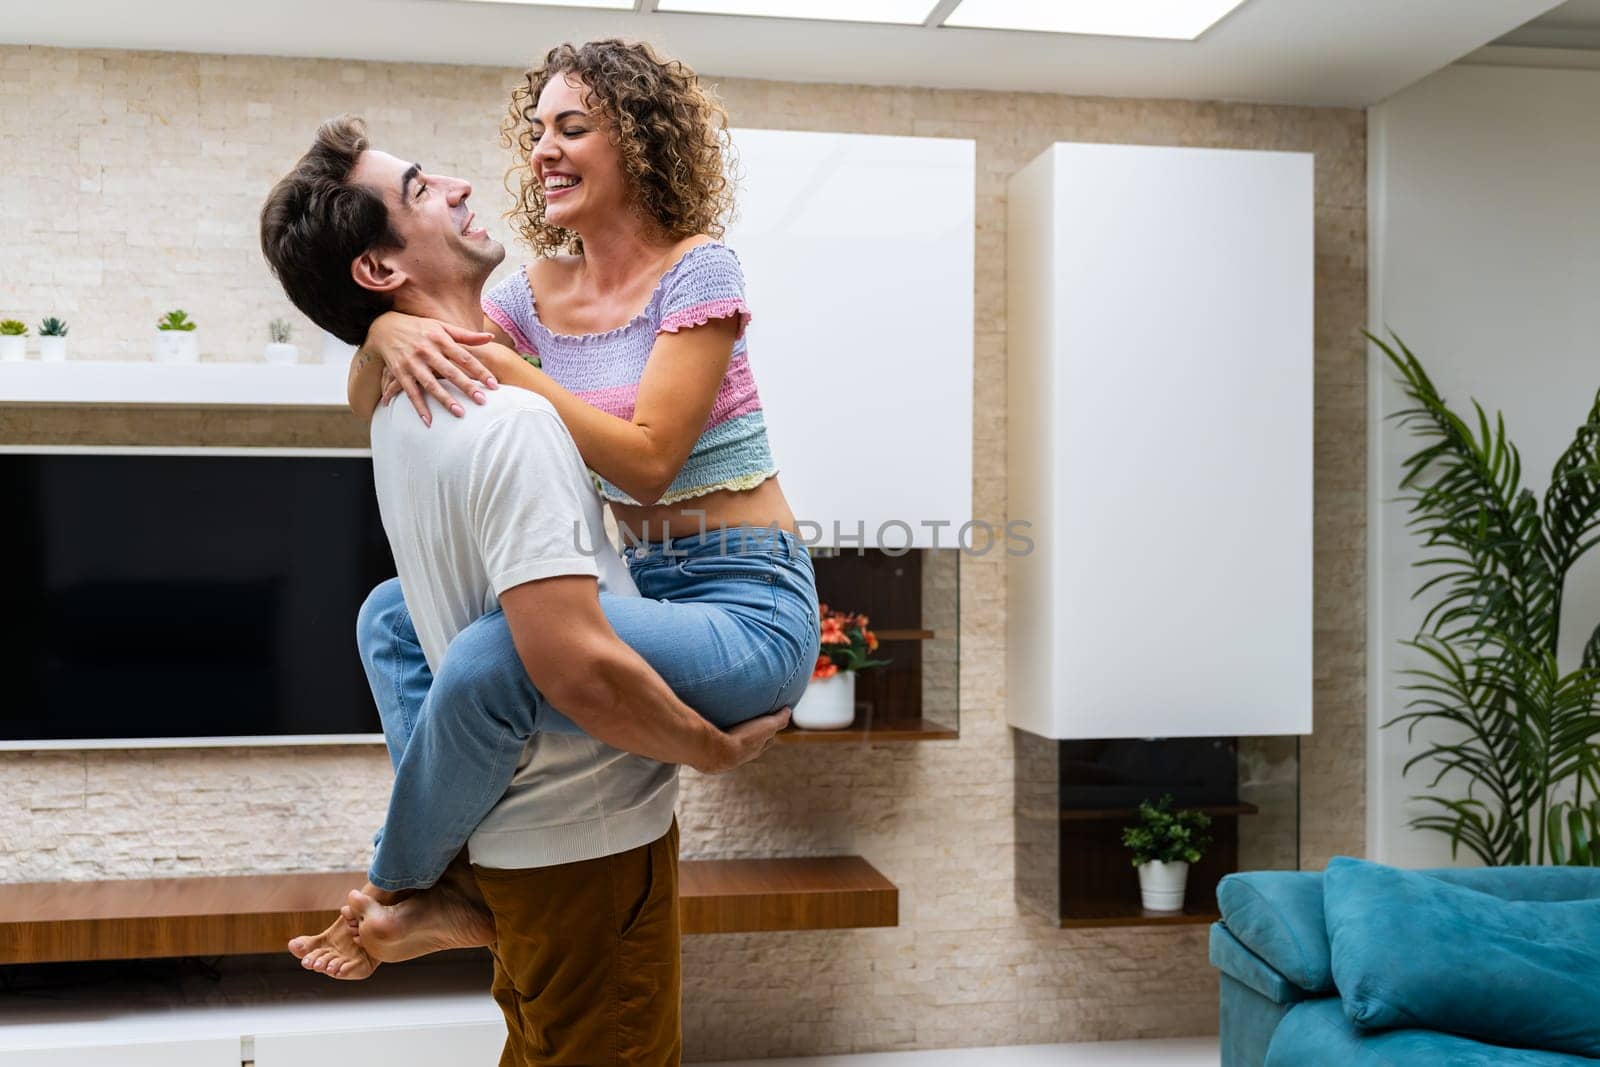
(1074, 798)
(1160, 419)
(912, 602)
(858, 257)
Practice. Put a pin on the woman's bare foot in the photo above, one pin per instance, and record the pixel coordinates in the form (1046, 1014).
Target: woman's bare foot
(434, 920)
(334, 952)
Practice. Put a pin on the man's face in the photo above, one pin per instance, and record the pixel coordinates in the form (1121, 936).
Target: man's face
(444, 245)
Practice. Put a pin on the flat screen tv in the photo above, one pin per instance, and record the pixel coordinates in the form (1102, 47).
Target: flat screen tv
(163, 596)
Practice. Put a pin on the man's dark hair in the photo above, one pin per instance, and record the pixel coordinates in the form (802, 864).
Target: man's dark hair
(316, 221)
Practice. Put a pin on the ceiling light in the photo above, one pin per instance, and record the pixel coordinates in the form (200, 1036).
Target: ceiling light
(905, 12)
(1182, 20)
(613, 5)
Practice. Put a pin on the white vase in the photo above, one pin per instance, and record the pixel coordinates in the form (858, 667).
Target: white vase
(1161, 885)
(177, 346)
(828, 704)
(53, 349)
(13, 349)
(282, 352)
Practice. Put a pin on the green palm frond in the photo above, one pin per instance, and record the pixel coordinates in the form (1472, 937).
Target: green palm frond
(1504, 721)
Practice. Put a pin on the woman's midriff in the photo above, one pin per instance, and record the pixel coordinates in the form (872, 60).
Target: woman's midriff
(764, 505)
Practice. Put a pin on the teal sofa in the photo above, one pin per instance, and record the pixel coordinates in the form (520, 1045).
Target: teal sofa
(1279, 1004)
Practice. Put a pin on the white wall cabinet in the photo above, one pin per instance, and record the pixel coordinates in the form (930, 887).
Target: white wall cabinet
(1160, 442)
(858, 260)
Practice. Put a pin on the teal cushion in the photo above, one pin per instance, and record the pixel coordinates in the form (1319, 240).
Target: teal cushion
(1232, 958)
(1316, 1033)
(1411, 950)
(1278, 916)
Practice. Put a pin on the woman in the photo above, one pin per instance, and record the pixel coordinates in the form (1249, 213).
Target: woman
(636, 314)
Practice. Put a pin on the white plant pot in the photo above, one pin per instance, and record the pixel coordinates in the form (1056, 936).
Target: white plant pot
(177, 346)
(53, 349)
(335, 350)
(1161, 885)
(828, 704)
(13, 349)
(282, 352)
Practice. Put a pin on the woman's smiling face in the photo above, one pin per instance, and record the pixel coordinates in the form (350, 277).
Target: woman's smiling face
(577, 164)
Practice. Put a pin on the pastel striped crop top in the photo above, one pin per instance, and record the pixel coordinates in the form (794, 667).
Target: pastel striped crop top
(603, 369)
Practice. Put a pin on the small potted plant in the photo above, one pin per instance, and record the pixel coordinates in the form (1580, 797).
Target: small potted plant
(847, 647)
(53, 340)
(13, 340)
(280, 350)
(1164, 842)
(175, 340)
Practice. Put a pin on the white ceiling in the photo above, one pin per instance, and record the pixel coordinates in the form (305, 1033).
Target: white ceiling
(1574, 24)
(1347, 53)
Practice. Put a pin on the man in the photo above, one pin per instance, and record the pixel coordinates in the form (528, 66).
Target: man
(578, 863)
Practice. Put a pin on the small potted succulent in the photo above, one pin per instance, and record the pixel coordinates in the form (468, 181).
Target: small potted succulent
(1164, 842)
(13, 340)
(280, 350)
(175, 340)
(847, 646)
(53, 340)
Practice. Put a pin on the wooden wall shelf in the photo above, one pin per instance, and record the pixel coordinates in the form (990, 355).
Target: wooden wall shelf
(875, 732)
(1216, 811)
(1118, 913)
(57, 922)
(819, 893)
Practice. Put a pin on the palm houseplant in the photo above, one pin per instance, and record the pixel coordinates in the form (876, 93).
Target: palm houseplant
(1164, 842)
(53, 340)
(175, 340)
(13, 340)
(1511, 736)
(847, 647)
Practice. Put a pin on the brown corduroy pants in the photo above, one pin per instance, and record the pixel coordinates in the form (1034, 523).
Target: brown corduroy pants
(587, 966)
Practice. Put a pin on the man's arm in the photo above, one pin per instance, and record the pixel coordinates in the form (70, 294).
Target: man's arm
(583, 668)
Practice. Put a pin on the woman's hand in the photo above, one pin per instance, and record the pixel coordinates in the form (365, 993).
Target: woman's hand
(422, 354)
(502, 364)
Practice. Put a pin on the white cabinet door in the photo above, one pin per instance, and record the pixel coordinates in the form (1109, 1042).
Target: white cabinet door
(858, 257)
(1160, 441)
(465, 1043)
(207, 1052)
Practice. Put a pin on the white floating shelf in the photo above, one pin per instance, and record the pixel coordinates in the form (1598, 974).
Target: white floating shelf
(318, 385)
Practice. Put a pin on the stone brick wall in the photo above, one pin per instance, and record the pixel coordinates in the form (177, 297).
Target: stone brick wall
(133, 182)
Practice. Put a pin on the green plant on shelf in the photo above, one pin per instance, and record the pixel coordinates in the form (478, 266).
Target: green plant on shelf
(1167, 836)
(52, 327)
(279, 330)
(13, 328)
(176, 320)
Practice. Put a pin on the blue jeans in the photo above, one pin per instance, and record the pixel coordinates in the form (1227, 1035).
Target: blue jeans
(727, 618)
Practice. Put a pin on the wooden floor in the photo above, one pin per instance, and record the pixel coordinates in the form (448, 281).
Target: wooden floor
(53, 922)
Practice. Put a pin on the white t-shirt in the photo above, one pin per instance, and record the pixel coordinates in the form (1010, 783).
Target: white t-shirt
(474, 506)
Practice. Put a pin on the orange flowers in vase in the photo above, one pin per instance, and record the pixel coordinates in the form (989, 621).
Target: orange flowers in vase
(847, 647)
(847, 644)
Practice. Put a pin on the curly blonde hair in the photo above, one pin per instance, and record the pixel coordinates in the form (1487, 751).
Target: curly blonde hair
(671, 131)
